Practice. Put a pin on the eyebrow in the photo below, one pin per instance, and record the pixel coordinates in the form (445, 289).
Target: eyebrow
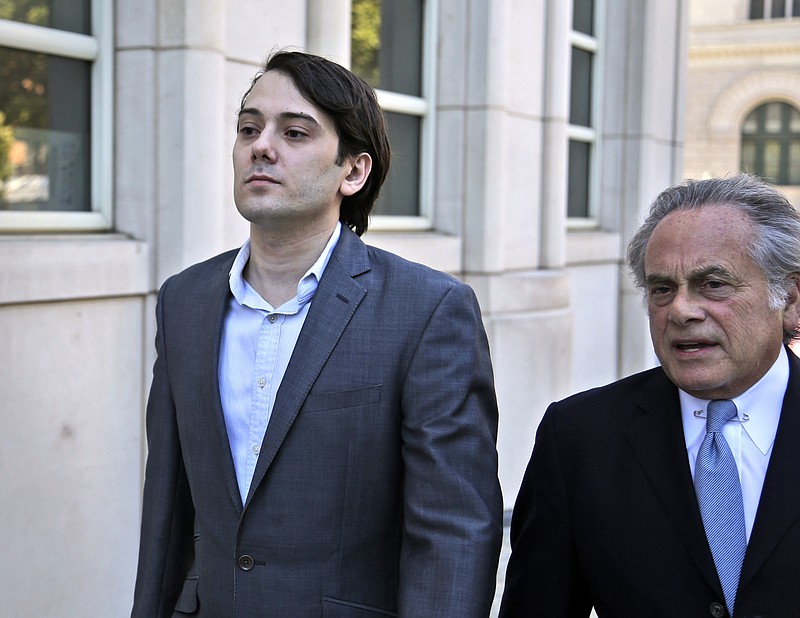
(254, 111)
(701, 273)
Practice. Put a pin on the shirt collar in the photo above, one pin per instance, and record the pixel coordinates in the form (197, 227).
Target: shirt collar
(306, 287)
(760, 406)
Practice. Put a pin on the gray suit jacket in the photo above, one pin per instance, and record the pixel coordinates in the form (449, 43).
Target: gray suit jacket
(375, 492)
(607, 514)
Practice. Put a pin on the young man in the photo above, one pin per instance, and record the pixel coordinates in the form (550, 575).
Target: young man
(674, 492)
(322, 420)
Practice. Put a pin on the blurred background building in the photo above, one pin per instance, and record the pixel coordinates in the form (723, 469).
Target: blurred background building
(529, 138)
(743, 85)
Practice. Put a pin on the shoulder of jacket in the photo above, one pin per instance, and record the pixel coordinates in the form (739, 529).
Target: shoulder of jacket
(623, 389)
(218, 264)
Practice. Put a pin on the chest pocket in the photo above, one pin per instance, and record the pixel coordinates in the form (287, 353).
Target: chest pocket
(340, 400)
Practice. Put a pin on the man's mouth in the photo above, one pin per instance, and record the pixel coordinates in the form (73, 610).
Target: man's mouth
(261, 177)
(693, 346)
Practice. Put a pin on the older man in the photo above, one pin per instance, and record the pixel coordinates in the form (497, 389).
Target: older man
(676, 492)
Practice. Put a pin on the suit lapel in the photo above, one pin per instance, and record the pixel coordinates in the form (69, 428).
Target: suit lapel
(779, 505)
(332, 307)
(658, 441)
(211, 303)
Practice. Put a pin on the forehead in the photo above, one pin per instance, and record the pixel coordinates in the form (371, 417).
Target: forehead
(275, 93)
(693, 238)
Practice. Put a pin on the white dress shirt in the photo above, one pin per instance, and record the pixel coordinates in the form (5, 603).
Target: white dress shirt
(257, 343)
(751, 439)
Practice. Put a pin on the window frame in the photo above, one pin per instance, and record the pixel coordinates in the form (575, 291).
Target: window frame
(98, 50)
(424, 108)
(589, 135)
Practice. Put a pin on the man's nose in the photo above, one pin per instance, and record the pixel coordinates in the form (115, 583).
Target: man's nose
(263, 148)
(686, 306)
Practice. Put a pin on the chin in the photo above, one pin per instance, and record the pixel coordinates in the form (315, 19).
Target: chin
(703, 387)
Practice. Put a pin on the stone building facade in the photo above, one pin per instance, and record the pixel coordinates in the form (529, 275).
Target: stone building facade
(532, 138)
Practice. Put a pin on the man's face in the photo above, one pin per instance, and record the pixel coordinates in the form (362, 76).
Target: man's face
(284, 158)
(710, 322)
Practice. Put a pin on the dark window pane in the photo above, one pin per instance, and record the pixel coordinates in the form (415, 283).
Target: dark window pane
(70, 15)
(796, 8)
(583, 16)
(400, 193)
(401, 47)
(44, 132)
(772, 160)
(778, 8)
(794, 120)
(386, 44)
(756, 9)
(772, 116)
(750, 126)
(580, 104)
(749, 157)
(578, 172)
(794, 163)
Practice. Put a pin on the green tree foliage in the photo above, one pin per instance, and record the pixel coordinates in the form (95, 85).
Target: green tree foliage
(23, 75)
(35, 12)
(6, 141)
(366, 40)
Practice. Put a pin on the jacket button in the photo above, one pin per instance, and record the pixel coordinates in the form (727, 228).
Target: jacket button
(246, 562)
(717, 609)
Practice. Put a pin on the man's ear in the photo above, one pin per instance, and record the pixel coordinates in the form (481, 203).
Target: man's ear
(360, 167)
(791, 312)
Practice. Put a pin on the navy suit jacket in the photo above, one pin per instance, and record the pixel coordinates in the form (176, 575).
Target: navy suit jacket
(376, 490)
(607, 514)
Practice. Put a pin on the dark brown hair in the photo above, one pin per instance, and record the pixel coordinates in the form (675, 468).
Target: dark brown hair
(360, 124)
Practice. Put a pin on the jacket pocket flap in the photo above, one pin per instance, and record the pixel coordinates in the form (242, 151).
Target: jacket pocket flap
(187, 601)
(339, 400)
(336, 608)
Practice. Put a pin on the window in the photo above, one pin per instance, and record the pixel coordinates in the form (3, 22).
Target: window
(55, 111)
(581, 130)
(774, 9)
(771, 143)
(388, 45)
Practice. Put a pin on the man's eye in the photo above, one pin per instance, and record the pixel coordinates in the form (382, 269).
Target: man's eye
(660, 295)
(714, 288)
(294, 134)
(247, 130)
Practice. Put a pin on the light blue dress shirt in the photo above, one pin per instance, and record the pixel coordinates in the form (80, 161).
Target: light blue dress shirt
(752, 438)
(257, 343)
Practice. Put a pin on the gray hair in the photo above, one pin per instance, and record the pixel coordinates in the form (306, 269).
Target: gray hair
(775, 247)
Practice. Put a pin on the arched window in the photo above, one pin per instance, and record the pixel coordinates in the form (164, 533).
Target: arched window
(771, 143)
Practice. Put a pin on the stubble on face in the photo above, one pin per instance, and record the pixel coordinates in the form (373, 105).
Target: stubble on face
(285, 158)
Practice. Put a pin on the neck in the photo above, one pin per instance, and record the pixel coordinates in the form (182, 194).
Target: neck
(278, 261)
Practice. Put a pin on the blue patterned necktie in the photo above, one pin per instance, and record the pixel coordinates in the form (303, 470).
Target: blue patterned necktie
(719, 494)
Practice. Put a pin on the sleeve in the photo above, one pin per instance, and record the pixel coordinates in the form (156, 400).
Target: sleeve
(452, 502)
(166, 542)
(543, 577)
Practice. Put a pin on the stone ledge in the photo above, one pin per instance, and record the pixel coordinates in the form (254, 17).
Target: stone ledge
(55, 268)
